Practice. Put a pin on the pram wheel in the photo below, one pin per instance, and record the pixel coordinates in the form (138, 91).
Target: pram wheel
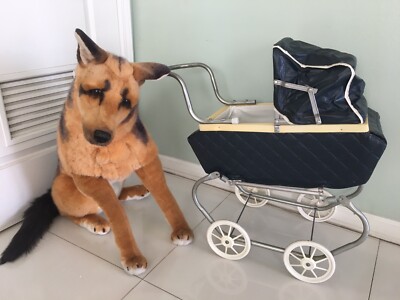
(253, 201)
(227, 243)
(309, 261)
(308, 214)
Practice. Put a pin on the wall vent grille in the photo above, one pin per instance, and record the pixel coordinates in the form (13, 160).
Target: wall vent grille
(32, 105)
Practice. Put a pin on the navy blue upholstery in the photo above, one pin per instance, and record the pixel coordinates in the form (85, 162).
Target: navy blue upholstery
(333, 160)
(331, 84)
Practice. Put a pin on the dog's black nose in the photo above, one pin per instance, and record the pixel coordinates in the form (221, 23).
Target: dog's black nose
(101, 137)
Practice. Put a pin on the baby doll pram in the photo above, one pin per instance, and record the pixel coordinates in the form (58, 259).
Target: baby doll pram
(318, 134)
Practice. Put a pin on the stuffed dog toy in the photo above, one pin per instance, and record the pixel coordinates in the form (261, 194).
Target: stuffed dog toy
(101, 140)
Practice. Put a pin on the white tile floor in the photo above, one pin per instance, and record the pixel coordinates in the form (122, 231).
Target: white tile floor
(70, 263)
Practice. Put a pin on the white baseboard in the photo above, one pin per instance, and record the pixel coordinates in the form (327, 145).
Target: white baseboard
(189, 170)
(382, 228)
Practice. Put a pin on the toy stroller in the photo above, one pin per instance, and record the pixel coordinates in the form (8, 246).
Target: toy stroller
(319, 133)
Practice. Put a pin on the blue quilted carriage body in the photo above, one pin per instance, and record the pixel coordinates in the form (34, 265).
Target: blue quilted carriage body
(332, 160)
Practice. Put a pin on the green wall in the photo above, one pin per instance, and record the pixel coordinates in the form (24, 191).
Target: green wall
(235, 38)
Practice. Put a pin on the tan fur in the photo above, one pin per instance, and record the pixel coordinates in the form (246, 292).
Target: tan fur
(133, 191)
(82, 188)
(123, 156)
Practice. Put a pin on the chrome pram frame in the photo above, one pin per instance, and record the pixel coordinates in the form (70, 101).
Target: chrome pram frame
(325, 200)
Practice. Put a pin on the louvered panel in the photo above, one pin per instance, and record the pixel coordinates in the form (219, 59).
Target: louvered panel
(42, 129)
(35, 101)
(35, 87)
(11, 84)
(35, 93)
(34, 122)
(33, 105)
(31, 116)
(35, 108)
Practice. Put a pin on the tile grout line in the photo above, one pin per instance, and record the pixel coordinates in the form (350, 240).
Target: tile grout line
(87, 251)
(223, 200)
(373, 273)
(108, 262)
(159, 262)
(144, 278)
(140, 279)
(204, 218)
(162, 289)
(126, 295)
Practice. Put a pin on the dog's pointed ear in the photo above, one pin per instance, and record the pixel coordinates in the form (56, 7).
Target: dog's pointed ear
(88, 51)
(149, 71)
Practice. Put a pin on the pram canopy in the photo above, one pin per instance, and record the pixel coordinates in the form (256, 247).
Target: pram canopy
(340, 92)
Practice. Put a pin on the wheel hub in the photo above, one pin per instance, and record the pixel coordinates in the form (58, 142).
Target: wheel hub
(223, 244)
(227, 241)
(308, 263)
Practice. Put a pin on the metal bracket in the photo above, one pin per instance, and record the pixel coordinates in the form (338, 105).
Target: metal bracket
(311, 94)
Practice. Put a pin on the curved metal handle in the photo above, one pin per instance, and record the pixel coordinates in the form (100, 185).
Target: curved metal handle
(187, 97)
(213, 81)
(189, 102)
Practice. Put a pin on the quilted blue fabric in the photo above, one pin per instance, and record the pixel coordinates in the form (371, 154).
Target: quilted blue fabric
(332, 160)
(331, 84)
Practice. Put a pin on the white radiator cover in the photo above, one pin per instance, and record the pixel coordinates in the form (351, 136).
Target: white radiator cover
(31, 107)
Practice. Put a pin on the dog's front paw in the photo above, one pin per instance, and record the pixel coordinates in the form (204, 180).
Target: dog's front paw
(182, 236)
(135, 265)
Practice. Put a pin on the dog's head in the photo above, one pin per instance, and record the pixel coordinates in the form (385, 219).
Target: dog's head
(108, 90)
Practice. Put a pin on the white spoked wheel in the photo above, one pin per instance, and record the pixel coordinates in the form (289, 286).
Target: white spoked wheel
(228, 240)
(309, 261)
(253, 200)
(308, 214)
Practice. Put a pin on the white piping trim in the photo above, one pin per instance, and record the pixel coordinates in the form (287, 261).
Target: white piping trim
(346, 92)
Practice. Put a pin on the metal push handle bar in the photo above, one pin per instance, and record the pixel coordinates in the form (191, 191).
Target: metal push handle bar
(215, 87)
(213, 81)
(187, 98)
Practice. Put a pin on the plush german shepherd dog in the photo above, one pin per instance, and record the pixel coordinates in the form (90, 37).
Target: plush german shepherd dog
(101, 139)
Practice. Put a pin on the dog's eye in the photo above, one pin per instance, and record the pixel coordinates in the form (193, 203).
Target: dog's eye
(95, 93)
(125, 103)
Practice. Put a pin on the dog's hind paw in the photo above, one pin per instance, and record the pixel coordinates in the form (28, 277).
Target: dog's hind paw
(100, 229)
(182, 237)
(135, 265)
(138, 197)
(136, 192)
(94, 223)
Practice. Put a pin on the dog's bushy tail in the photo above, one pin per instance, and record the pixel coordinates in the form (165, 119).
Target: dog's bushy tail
(37, 220)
